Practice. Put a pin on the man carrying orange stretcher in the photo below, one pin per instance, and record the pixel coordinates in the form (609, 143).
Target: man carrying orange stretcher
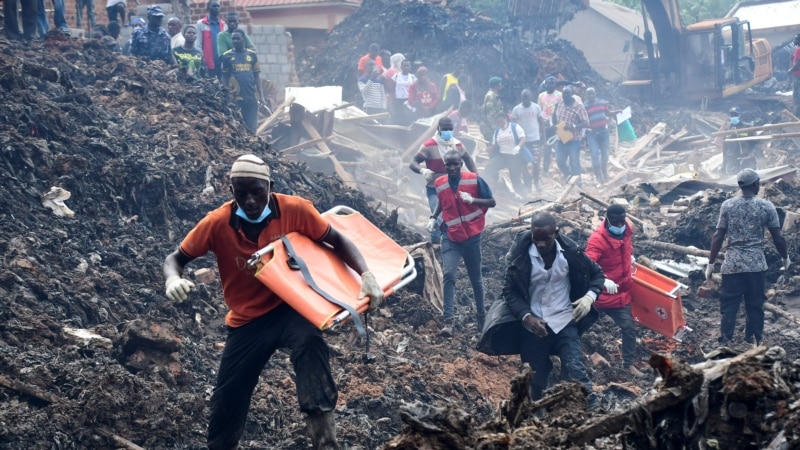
(259, 322)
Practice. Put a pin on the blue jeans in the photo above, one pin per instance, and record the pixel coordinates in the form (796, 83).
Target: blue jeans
(624, 320)
(89, 5)
(597, 140)
(433, 201)
(58, 17)
(452, 253)
(566, 344)
(735, 286)
(572, 151)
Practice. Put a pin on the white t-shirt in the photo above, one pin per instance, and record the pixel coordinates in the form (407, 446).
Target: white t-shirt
(401, 84)
(504, 139)
(528, 119)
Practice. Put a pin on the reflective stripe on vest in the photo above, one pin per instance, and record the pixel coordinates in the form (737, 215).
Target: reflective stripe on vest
(463, 220)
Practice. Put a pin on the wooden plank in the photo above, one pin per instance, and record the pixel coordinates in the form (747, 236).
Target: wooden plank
(771, 126)
(276, 114)
(383, 115)
(765, 137)
(645, 141)
(411, 149)
(27, 389)
(305, 144)
(345, 176)
(673, 138)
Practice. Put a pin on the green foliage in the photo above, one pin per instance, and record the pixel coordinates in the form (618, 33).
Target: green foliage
(692, 10)
(496, 9)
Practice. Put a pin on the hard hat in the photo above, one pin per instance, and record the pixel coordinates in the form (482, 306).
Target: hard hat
(734, 111)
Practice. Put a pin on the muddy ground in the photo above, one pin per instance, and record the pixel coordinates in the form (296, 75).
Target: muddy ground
(137, 152)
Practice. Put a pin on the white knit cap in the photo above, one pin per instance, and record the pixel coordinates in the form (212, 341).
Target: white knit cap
(250, 166)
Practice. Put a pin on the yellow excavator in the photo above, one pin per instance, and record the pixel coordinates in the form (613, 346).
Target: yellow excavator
(707, 60)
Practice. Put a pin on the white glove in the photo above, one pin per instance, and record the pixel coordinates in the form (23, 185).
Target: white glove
(370, 288)
(633, 260)
(709, 270)
(516, 150)
(581, 307)
(786, 263)
(610, 286)
(428, 174)
(466, 197)
(178, 288)
(431, 226)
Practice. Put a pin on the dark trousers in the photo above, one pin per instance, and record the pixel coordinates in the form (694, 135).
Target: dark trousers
(30, 10)
(624, 320)
(750, 286)
(114, 11)
(452, 254)
(598, 143)
(247, 350)
(570, 151)
(796, 93)
(566, 344)
(516, 165)
(249, 110)
(89, 5)
(401, 115)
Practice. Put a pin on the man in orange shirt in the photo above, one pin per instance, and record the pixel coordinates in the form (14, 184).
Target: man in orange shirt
(374, 49)
(259, 322)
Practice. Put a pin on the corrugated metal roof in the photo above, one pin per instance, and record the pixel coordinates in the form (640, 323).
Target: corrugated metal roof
(282, 3)
(627, 18)
(768, 15)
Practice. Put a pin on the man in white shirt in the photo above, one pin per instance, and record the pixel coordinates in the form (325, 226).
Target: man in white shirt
(508, 151)
(529, 116)
(550, 287)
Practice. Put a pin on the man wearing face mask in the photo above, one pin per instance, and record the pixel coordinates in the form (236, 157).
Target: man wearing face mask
(432, 152)
(258, 321)
(611, 247)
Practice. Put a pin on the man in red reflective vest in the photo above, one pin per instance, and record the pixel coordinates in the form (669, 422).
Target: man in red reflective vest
(464, 198)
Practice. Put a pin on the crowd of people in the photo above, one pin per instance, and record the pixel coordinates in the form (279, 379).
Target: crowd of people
(551, 121)
(212, 47)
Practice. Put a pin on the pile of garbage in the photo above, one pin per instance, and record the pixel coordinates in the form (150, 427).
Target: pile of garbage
(441, 38)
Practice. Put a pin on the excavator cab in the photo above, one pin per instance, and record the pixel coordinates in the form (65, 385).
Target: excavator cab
(710, 59)
(721, 59)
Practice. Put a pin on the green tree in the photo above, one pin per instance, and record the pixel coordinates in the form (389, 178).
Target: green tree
(496, 9)
(692, 10)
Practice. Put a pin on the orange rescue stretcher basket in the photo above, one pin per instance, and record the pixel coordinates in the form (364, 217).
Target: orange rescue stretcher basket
(656, 303)
(312, 279)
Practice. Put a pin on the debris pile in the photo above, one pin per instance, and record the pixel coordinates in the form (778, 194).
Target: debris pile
(440, 39)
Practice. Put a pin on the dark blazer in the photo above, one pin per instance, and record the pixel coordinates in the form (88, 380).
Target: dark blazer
(504, 320)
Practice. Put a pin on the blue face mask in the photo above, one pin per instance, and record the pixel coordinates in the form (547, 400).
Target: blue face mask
(617, 231)
(241, 214)
(446, 134)
(734, 121)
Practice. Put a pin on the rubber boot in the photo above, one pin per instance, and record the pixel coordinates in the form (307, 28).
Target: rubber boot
(322, 431)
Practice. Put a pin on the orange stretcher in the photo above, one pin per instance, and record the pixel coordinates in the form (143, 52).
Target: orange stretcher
(312, 279)
(656, 303)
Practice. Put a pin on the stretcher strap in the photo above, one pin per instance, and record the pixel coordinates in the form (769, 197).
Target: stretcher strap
(295, 262)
